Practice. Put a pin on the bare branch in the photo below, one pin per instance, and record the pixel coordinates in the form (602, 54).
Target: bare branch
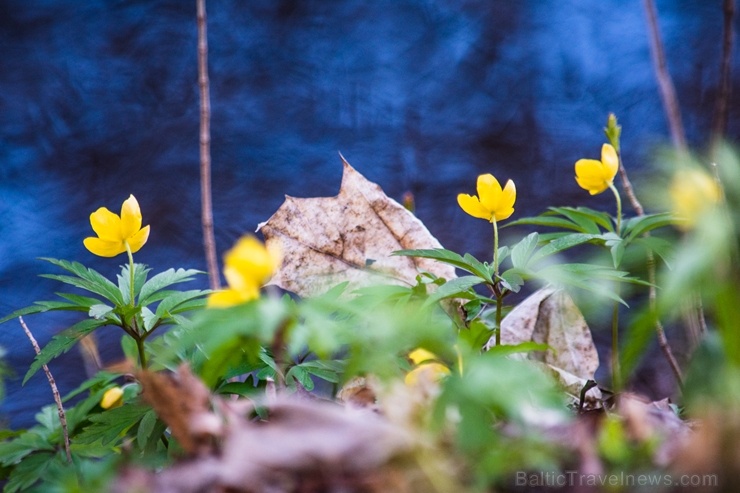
(665, 84)
(54, 390)
(209, 240)
(719, 125)
(652, 295)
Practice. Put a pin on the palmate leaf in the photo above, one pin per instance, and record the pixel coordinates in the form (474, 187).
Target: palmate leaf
(30, 470)
(580, 219)
(124, 280)
(588, 277)
(162, 280)
(522, 252)
(111, 424)
(639, 225)
(459, 287)
(87, 279)
(62, 342)
(560, 244)
(467, 263)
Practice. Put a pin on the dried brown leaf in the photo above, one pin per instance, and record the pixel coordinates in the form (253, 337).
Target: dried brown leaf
(549, 316)
(350, 237)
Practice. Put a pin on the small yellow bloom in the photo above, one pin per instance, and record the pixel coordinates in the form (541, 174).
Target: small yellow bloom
(491, 202)
(115, 232)
(419, 356)
(692, 193)
(112, 398)
(427, 368)
(247, 266)
(428, 372)
(596, 176)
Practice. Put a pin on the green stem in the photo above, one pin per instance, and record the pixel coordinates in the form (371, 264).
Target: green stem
(499, 303)
(495, 247)
(616, 371)
(619, 207)
(130, 271)
(142, 354)
(497, 290)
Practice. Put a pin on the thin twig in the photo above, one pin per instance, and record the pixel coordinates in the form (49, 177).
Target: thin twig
(665, 84)
(652, 295)
(209, 240)
(54, 390)
(719, 125)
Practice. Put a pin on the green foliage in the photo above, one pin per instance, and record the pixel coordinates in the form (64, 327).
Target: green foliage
(117, 308)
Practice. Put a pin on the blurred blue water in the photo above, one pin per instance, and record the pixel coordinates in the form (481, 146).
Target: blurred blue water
(99, 100)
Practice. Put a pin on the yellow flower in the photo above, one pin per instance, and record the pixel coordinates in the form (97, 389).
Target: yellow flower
(427, 368)
(247, 266)
(692, 193)
(419, 356)
(112, 398)
(115, 232)
(428, 372)
(596, 176)
(491, 202)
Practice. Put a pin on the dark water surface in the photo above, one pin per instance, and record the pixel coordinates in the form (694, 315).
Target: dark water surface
(99, 99)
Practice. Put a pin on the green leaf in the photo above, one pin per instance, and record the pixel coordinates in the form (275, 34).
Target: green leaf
(523, 347)
(460, 287)
(29, 310)
(146, 427)
(639, 225)
(29, 471)
(543, 220)
(61, 343)
(325, 370)
(164, 279)
(99, 312)
(512, 280)
(451, 258)
(588, 277)
(522, 251)
(87, 279)
(587, 218)
(301, 376)
(660, 246)
(14, 450)
(168, 305)
(244, 389)
(124, 280)
(111, 424)
(561, 244)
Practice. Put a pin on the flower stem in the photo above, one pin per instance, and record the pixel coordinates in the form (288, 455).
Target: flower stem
(619, 207)
(130, 271)
(499, 303)
(495, 247)
(142, 354)
(497, 290)
(616, 371)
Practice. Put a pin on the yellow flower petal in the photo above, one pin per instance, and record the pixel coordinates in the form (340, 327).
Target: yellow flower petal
(252, 260)
(420, 355)
(492, 201)
(610, 160)
(103, 248)
(472, 206)
(130, 217)
(112, 398)
(489, 192)
(429, 372)
(693, 192)
(137, 240)
(590, 175)
(228, 297)
(106, 224)
(115, 232)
